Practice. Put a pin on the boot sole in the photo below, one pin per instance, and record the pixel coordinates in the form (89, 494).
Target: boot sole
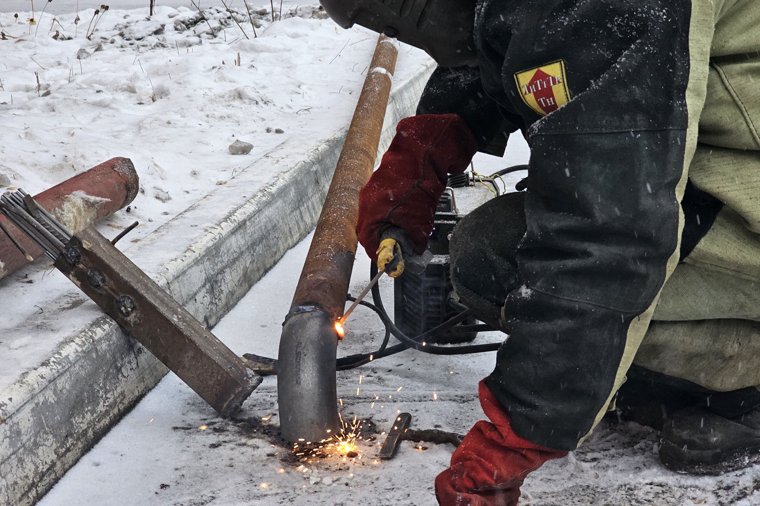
(706, 462)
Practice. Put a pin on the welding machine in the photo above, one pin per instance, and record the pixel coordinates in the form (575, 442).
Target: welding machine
(424, 300)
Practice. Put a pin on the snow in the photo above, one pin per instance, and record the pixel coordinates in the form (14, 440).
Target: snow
(172, 93)
(69, 6)
(171, 96)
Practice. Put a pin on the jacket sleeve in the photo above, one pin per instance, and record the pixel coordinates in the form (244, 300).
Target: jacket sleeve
(455, 118)
(607, 173)
(403, 191)
(460, 91)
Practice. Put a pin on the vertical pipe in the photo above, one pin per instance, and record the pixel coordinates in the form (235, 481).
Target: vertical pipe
(306, 365)
(77, 203)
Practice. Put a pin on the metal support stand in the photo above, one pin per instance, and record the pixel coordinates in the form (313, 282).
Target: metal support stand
(139, 305)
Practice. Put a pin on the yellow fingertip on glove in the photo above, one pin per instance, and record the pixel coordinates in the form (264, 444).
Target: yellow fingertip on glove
(389, 258)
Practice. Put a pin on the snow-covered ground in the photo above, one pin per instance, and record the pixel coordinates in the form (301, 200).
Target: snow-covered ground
(69, 6)
(173, 450)
(172, 92)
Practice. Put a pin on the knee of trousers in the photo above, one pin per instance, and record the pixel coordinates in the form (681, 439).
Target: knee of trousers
(482, 253)
(719, 355)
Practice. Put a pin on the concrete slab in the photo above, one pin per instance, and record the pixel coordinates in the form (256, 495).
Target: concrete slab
(53, 414)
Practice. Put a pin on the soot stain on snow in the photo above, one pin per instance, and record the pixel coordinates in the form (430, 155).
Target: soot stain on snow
(240, 431)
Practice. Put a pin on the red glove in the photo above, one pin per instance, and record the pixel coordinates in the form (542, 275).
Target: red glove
(405, 189)
(490, 465)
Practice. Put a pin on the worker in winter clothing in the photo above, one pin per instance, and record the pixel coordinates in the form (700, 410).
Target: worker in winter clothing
(634, 252)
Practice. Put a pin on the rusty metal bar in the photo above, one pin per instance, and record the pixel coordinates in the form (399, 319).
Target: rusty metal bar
(327, 270)
(77, 203)
(306, 364)
(395, 435)
(157, 321)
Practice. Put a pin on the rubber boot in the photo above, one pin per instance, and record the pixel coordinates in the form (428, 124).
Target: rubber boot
(699, 441)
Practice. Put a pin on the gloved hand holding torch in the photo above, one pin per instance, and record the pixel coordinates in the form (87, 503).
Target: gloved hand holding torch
(397, 205)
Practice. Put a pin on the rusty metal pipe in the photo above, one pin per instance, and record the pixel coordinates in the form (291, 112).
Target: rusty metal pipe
(77, 203)
(306, 388)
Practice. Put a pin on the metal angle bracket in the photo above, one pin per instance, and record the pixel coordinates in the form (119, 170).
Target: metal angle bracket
(393, 439)
(157, 321)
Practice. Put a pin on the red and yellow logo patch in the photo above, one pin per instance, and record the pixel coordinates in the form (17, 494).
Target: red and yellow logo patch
(544, 88)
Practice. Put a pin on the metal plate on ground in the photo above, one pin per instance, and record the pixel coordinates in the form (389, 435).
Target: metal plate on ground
(390, 445)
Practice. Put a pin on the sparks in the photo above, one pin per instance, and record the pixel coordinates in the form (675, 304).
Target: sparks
(342, 443)
(345, 447)
(340, 330)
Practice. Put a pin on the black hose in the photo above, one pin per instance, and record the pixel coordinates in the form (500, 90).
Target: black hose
(417, 342)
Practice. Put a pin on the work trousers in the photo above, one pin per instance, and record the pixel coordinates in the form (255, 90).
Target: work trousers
(706, 326)
(639, 243)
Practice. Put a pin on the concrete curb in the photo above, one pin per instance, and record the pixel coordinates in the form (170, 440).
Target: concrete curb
(52, 415)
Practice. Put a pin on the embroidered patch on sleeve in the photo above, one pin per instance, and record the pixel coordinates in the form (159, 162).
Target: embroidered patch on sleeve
(544, 88)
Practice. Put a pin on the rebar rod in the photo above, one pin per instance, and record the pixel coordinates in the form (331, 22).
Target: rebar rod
(20, 210)
(76, 203)
(138, 304)
(63, 234)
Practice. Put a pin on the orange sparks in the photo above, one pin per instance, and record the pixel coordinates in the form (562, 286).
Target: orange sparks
(345, 447)
(339, 329)
(343, 443)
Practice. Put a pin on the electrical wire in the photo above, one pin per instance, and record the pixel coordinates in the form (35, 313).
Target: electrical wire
(473, 177)
(417, 342)
(508, 170)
